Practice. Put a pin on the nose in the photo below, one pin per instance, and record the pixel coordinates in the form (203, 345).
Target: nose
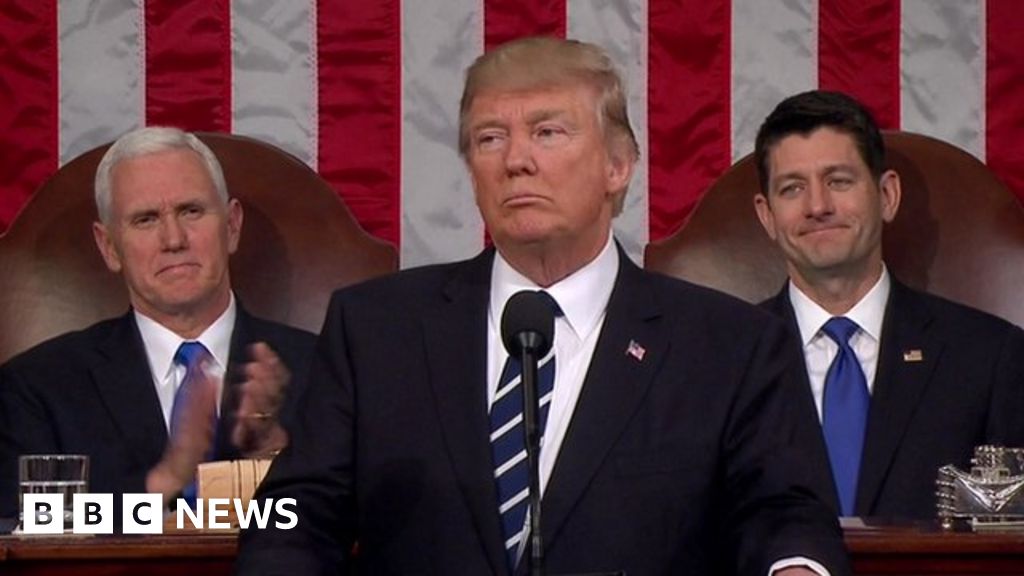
(519, 155)
(173, 234)
(818, 200)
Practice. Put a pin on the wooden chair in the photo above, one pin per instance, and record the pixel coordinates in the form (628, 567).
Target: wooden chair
(298, 244)
(959, 232)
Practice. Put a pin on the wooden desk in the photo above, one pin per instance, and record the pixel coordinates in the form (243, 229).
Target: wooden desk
(918, 551)
(188, 553)
(926, 550)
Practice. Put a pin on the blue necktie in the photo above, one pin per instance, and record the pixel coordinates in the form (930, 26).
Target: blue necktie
(193, 356)
(845, 412)
(508, 444)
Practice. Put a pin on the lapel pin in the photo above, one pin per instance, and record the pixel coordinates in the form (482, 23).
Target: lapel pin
(914, 355)
(636, 350)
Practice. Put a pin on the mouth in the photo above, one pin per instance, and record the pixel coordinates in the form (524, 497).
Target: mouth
(820, 229)
(518, 200)
(178, 268)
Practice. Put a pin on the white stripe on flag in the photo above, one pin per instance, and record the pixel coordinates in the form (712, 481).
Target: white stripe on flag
(774, 55)
(942, 89)
(273, 77)
(620, 26)
(101, 73)
(439, 218)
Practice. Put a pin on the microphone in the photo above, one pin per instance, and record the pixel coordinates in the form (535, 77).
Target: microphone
(528, 331)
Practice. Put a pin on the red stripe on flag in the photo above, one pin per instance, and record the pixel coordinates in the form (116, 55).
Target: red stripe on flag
(28, 101)
(688, 106)
(1004, 92)
(504, 21)
(359, 92)
(859, 54)
(188, 64)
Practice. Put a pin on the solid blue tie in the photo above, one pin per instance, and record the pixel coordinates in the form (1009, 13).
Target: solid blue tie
(193, 356)
(845, 412)
(508, 444)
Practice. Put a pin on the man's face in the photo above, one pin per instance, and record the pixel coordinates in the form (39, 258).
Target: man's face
(541, 170)
(823, 207)
(170, 235)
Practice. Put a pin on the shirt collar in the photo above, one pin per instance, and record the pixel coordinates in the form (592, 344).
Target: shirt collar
(868, 313)
(583, 295)
(161, 343)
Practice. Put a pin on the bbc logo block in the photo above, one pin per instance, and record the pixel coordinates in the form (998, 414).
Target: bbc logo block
(144, 514)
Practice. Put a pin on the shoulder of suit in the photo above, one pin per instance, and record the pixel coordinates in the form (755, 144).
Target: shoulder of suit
(694, 298)
(960, 318)
(69, 346)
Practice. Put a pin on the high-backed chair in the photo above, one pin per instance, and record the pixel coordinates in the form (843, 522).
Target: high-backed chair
(959, 232)
(298, 243)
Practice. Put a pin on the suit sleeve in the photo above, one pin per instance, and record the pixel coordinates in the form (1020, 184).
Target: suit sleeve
(773, 514)
(1005, 424)
(317, 470)
(24, 429)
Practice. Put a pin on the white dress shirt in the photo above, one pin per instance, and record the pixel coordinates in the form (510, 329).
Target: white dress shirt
(820, 350)
(583, 297)
(161, 344)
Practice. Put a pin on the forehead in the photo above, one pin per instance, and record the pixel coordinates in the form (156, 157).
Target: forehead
(497, 104)
(160, 176)
(823, 147)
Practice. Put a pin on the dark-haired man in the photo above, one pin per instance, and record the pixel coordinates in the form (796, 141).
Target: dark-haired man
(898, 382)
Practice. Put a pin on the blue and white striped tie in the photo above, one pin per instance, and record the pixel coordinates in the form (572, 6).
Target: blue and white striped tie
(508, 444)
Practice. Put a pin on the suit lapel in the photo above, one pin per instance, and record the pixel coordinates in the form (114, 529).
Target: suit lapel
(455, 340)
(899, 385)
(614, 386)
(124, 381)
(809, 431)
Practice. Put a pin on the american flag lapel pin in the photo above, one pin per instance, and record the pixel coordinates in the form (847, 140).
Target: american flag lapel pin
(913, 355)
(636, 350)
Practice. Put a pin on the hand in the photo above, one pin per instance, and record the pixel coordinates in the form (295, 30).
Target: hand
(258, 432)
(190, 441)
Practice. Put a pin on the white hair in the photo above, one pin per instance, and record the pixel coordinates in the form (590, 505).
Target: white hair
(151, 140)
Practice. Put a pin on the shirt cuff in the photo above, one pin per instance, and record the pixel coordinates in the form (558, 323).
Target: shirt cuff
(798, 561)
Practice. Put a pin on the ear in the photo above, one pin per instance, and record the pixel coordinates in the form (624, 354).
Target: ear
(106, 246)
(891, 192)
(234, 224)
(619, 172)
(764, 214)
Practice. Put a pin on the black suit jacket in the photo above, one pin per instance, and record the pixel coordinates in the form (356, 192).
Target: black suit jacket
(91, 392)
(966, 389)
(672, 462)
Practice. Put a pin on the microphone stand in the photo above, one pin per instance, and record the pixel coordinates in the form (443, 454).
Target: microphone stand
(531, 428)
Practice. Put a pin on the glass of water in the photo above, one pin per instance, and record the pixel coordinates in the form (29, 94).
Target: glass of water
(66, 474)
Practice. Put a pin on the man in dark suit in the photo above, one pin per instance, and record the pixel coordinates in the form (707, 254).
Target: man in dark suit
(663, 450)
(916, 381)
(116, 391)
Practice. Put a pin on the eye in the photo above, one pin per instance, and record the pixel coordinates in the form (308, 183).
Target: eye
(790, 189)
(550, 134)
(840, 183)
(144, 221)
(192, 211)
(489, 140)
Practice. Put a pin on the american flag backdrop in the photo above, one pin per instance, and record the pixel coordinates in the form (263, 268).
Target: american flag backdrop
(366, 91)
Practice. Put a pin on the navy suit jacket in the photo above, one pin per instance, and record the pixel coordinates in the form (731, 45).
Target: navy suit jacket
(674, 463)
(949, 378)
(91, 392)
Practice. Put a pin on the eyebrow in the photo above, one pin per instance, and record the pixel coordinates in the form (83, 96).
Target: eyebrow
(532, 119)
(829, 170)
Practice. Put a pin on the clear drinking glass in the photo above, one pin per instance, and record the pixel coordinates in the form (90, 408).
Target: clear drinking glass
(66, 474)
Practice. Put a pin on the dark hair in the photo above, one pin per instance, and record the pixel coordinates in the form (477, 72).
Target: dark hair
(808, 111)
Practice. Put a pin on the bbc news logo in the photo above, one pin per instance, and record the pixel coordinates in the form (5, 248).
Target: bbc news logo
(144, 514)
